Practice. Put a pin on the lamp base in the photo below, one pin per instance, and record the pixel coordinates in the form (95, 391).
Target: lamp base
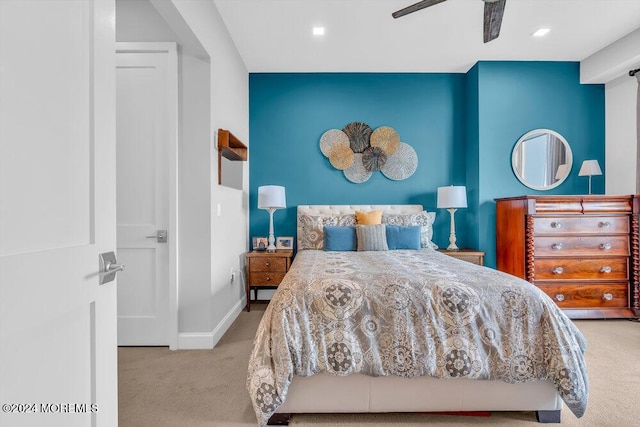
(452, 235)
(272, 240)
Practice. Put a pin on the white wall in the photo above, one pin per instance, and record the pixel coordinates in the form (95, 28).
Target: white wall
(620, 102)
(194, 210)
(213, 94)
(611, 66)
(229, 110)
(138, 21)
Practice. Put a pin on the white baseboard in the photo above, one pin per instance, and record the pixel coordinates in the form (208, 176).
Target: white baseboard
(195, 340)
(208, 340)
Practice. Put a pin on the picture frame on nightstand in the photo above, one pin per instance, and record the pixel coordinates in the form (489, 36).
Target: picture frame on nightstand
(260, 243)
(284, 243)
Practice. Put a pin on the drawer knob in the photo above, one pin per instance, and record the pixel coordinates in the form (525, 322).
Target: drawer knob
(559, 297)
(558, 270)
(604, 224)
(267, 264)
(605, 246)
(607, 296)
(556, 224)
(268, 279)
(556, 246)
(605, 269)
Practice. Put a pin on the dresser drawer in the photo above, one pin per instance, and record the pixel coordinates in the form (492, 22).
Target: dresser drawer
(589, 295)
(580, 246)
(581, 268)
(266, 278)
(581, 225)
(269, 264)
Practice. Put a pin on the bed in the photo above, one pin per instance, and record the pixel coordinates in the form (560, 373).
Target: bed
(408, 330)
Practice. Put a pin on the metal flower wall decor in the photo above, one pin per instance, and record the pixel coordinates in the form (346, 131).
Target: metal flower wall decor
(358, 151)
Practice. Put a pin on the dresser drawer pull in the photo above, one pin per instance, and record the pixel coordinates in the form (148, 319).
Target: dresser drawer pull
(556, 224)
(605, 269)
(267, 264)
(559, 297)
(605, 224)
(556, 246)
(607, 296)
(605, 246)
(558, 270)
(268, 279)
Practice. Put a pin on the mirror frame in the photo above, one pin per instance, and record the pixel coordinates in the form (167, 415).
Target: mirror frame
(569, 158)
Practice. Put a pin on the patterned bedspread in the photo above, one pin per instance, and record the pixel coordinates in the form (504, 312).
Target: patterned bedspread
(411, 313)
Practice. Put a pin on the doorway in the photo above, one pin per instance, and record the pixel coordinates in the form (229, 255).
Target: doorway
(146, 159)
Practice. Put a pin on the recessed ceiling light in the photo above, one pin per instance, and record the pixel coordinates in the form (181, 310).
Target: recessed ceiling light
(541, 32)
(318, 31)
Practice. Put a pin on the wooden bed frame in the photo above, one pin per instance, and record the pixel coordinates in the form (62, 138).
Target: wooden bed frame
(363, 394)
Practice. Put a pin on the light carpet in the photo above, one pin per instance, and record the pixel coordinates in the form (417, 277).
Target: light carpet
(159, 387)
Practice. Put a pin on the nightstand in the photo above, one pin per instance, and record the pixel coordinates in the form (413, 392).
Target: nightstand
(266, 270)
(469, 255)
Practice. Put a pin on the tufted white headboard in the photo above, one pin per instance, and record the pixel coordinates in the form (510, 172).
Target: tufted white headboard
(350, 209)
(311, 220)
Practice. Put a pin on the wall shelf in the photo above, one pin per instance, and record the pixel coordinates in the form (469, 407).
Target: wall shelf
(231, 148)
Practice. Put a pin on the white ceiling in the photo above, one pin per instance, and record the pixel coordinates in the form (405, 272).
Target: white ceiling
(361, 35)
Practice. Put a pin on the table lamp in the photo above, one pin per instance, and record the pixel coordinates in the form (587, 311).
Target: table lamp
(590, 168)
(270, 198)
(452, 198)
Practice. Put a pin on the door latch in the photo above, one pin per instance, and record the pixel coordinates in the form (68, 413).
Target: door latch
(161, 236)
(108, 267)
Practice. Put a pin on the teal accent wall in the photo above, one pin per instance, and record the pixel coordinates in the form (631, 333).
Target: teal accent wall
(462, 126)
(512, 99)
(288, 114)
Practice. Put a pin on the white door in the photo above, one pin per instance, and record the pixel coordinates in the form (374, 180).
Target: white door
(58, 353)
(146, 139)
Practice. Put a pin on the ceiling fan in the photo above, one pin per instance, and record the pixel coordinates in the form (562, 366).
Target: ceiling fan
(493, 11)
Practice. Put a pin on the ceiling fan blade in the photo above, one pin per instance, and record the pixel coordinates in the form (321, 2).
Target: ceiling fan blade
(493, 11)
(415, 7)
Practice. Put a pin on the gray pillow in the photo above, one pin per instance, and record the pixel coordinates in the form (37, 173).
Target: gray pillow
(372, 237)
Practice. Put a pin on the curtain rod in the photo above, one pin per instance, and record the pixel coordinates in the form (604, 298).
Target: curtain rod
(633, 72)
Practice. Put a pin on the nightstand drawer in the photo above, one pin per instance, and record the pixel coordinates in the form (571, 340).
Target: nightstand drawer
(269, 264)
(469, 255)
(266, 278)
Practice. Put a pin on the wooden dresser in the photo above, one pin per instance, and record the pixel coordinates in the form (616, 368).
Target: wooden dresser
(582, 251)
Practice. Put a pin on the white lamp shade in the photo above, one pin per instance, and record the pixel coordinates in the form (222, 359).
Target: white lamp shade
(563, 171)
(271, 196)
(452, 197)
(589, 168)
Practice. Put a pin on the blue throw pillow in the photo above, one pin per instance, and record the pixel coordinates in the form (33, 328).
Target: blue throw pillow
(340, 238)
(399, 237)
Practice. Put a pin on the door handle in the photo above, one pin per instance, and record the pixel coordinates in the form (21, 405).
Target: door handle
(161, 236)
(112, 267)
(108, 267)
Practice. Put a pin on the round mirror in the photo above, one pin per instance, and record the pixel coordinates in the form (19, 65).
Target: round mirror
(542, 159)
